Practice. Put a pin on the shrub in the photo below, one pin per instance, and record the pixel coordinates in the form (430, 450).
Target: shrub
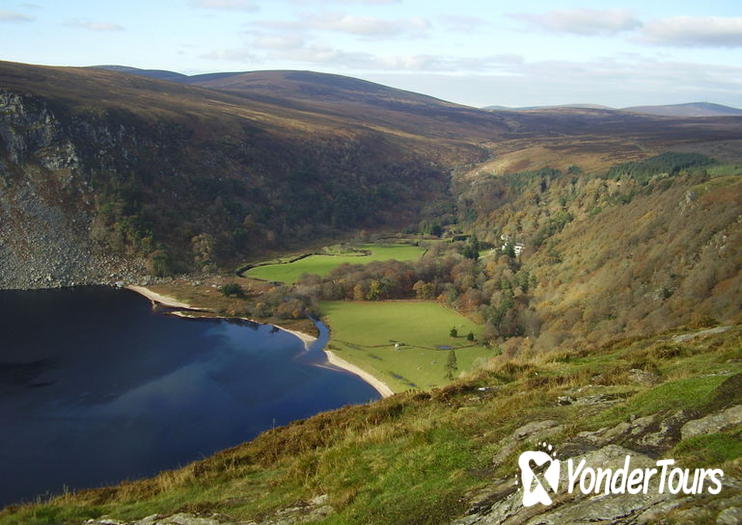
(232, 290)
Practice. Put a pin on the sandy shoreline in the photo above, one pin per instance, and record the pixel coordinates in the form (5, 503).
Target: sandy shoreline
(164, 300)
(381, 387)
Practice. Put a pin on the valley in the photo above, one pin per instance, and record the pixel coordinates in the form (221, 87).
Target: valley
(561, 273)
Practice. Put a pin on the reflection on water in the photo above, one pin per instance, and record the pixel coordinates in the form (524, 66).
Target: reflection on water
(96, 388)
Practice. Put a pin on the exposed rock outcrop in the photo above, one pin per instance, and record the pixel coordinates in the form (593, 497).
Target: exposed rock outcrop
(46, 205)
(645, 440)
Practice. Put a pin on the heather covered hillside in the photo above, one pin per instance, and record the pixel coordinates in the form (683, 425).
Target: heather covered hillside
(188, 179)
(636, 250)
(161, 177)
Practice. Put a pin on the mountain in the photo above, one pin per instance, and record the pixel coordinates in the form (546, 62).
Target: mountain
(692, 109)
(360, 100)
(159, 74)
(102, 167)
(109, 174)
(363, 101)
(539, 108)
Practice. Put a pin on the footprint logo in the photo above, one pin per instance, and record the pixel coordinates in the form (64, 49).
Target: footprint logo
(535, 488)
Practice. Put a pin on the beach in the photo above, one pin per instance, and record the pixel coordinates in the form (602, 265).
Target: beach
(164, 300)
(381, 387)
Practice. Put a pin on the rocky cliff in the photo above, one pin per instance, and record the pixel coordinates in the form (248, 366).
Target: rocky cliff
(46, 206)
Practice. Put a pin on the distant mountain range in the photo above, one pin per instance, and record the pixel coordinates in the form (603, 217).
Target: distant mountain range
(306, 82)
(182, 172)
(691, 109)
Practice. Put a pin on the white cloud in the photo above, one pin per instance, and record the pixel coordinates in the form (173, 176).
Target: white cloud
(12, 16)
(617, 83)
(586, 22)
(296, 50)
(369, 2)
(279, 42)
(462, 23)
(230, 55)
(368, 26)
(687, 31)
(94, 26)
(234, 5)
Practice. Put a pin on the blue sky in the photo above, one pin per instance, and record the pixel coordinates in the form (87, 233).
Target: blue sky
(511, 53)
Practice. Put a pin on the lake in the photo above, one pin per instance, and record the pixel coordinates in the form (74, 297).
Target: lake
(96, 387)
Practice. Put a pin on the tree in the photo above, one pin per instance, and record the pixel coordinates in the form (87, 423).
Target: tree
(160, 263)
(376, 290)
(424, 290)
(232, 290)
(202, 247)
(453, 332)
(470, 336)
(451, 364)
(471, 250)
(359, 291)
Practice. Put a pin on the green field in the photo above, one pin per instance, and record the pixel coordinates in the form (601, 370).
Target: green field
(364, 334)
(323, 264)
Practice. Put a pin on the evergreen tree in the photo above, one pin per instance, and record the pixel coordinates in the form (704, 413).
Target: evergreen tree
(451, 364)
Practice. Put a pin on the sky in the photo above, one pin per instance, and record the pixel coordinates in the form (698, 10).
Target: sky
(474, 52)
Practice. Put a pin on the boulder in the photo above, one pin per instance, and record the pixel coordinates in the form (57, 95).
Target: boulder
(713, 423)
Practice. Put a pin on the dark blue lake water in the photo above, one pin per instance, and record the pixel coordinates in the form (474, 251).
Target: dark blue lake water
(95, 388)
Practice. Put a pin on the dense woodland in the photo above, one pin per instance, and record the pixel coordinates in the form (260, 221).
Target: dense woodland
(639, 249)
(194, 221)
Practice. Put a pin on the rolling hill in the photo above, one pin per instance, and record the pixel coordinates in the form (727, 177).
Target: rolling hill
(537, 108)
(692, 109)
(109, 174)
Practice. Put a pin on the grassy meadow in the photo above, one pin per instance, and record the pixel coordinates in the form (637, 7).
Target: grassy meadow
(364, 333)
(323, 264)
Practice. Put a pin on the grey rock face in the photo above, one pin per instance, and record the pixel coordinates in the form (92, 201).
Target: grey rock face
(644, 439)
(537, 430)
(46, 204)
(713, 423)
(730, 516)
(182, 518)
(315, 510)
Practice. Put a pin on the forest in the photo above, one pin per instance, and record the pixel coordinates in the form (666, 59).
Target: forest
(599, 256)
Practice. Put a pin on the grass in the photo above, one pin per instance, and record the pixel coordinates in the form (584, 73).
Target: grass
(721, 170)
(323, 264)
(418, 457)
(709, 450)
(364, 334)
(692, 392)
